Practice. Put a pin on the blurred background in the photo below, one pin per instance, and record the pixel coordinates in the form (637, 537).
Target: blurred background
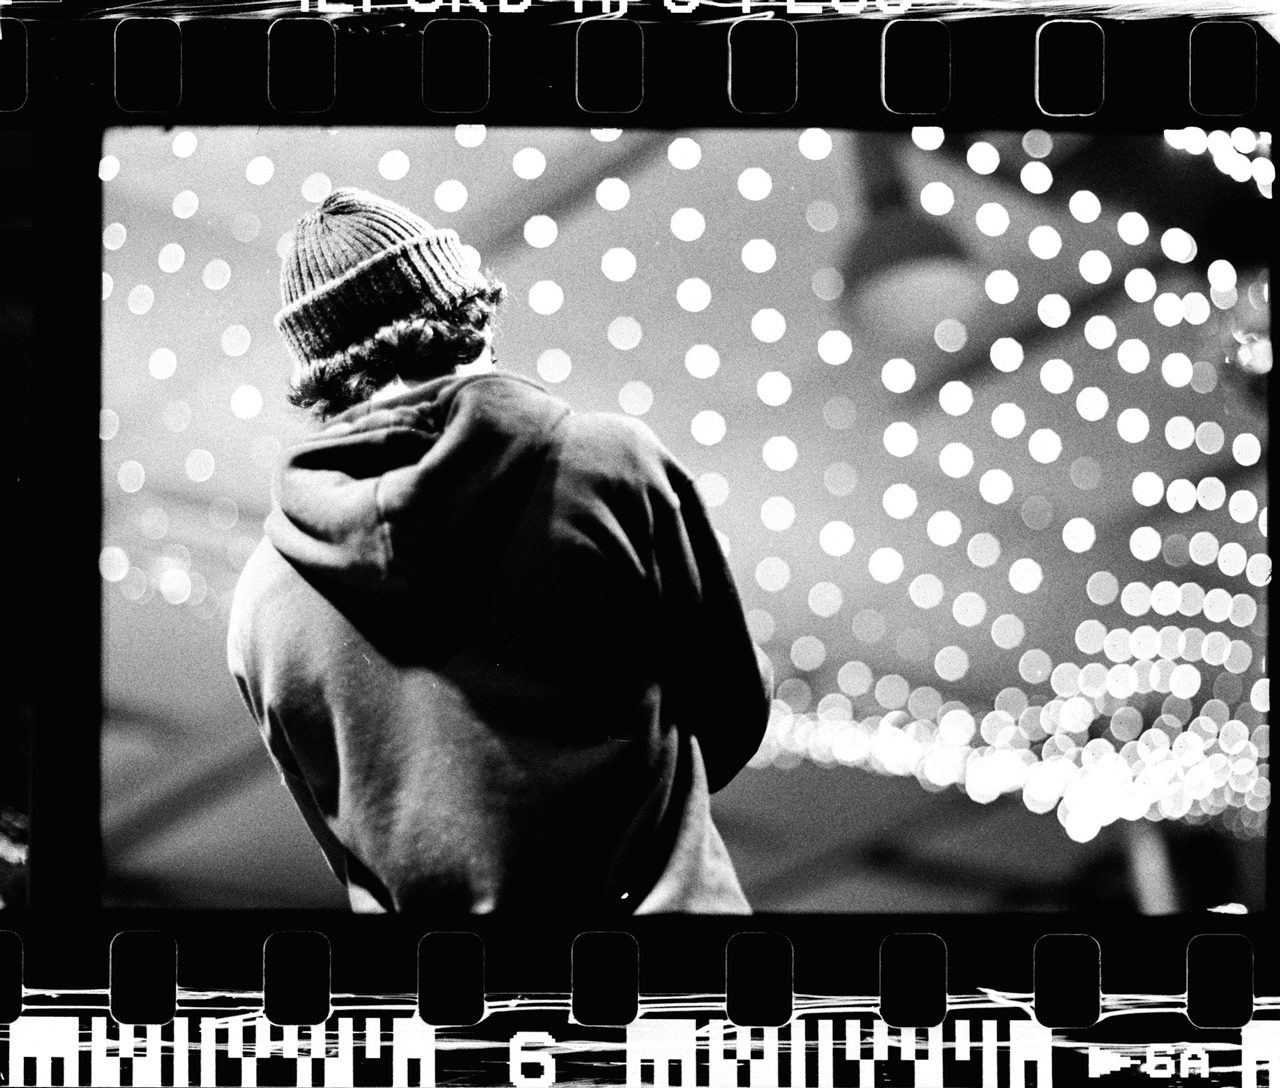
(981, 419)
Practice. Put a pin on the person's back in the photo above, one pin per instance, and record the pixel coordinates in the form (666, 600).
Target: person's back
(494, 647)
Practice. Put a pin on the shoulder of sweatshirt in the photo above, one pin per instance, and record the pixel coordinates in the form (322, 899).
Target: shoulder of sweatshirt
(266, 578)
(620, 449)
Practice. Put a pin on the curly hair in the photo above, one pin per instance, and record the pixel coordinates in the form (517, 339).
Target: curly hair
(413, 349)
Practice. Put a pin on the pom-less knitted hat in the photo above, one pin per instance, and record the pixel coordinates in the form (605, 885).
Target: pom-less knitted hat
(358, 263)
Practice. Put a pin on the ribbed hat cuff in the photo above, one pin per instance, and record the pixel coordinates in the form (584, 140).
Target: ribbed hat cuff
(413, 277)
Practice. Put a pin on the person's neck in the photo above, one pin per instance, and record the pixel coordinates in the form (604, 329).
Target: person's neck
(481, 364)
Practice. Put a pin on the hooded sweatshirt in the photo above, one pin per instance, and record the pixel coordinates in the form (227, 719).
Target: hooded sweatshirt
(496, 653)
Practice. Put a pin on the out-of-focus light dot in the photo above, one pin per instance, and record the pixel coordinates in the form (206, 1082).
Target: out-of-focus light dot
(1178, 245)
(108, 425)
(1008, 420)
(1195, 308)
(260, 170)
(1095, 266)
(1086, 473)
(950, 334)
(108, 168)
(1179, 432)
(635, 398)
(162, 364)
(1144, 543)
(772, 574)
(246, 402)
(235, 340)
(1008, 631)
(113, 564)
(216, 274)
(779, 453)
(937, 198)
(693, 295)
(956, 398)
(199, 466)
(1037, 512)
(969, 609)
(1079, 535)
(688, 224)
(982, 158)
(606, 135)
(892, 691)
(1102, 587)
(927, 137)
(983, 550)
(1037, 143)
(1258, 569)
(759, 255)
(1036, 177)
(707, 427)
(713, 488)
(469, 135)
(1232, 559)
(768, 326)
(529, 163)
(393, 165)
(1092, 403)
(951, 663)
(885, 565)
(1176, 369)
(175, 585)
(684, 153)
(141, 299)
(1148, 488)
(995, 486)
(774, 388)
(814, 144)
(546, 297)
(1140, 285)
(1006, 354)
(1054, 311)
(901, 439)
(1210, 437)
(1100, 332)
(1242, 506)
(839, 413)
(316, 187)
(925, 591)
(450, 195)
(554, 365)
(992, 219)
(761, 625)
(900, 501)
(1184, 681)
(172, 258)
(185, 204)
(834, 346)
(821, 216)
(1035, 666)
(283, 244)
(1056, 376)
(778, 513)
(1260, 695)
(956, 460)
(702, 360)
(1211, 493)
(836, 538)
(1132, 228)
(1222, 274)
(1225, 298)
(1089, 637)
(825, 599)
(612, 194)
(898, 375)
(1246, 449)
(1002, 286)
(943, 528)
(1044, 242)
(755, 183)
(113, 237)
(540, 231)
(108, 285)
(840, 478)
(1045, 446)
(1084, 206)
(827, 284)
(1133, 424)
(1133, 356)
(1025, 575)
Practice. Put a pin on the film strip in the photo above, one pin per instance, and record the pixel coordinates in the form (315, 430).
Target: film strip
(94, 994)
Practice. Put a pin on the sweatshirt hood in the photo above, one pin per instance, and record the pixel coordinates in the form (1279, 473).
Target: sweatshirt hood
(395, 495)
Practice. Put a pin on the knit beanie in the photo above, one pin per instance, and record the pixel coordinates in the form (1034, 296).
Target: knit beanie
(358, 263)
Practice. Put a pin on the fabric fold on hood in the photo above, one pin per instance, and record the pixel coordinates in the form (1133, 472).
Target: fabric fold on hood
(387, 496)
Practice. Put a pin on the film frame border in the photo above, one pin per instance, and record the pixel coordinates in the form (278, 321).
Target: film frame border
(65, 935)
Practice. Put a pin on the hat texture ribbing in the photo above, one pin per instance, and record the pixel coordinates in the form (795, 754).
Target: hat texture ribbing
(358, 263)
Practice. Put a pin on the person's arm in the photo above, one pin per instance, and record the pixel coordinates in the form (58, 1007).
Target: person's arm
(721, 681)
